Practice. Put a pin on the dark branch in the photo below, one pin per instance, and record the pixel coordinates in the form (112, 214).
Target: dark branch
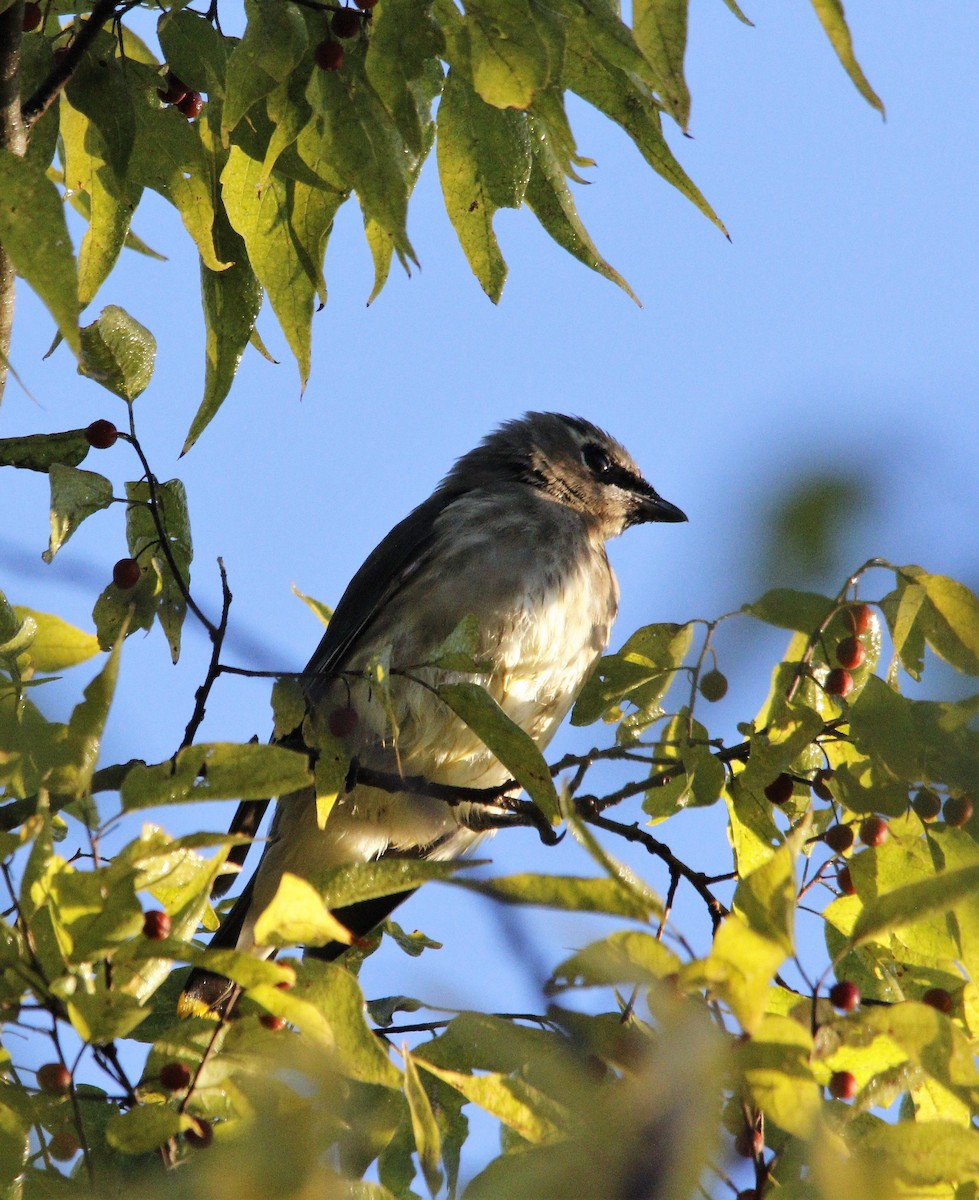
(37, 105)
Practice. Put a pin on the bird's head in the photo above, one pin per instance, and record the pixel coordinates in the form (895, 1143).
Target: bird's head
(572, 462)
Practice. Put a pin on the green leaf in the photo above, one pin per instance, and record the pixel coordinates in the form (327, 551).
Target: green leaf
(145, 1128)
(484, 164)
(628, 957)
(39, 248)
(102, 1016)
(640, 673)
(342, 886)
(144, 539)
(195, 51)
(906, 905)
(118, 352)
(903, 610)
(504, 737)
(508, 57)
(616, 93)
(739, 969)
(917, 741)
(766, 898)
(39, 451)
(833, 21)
(788, 609)
(103, 91)
(232, 299)
(273, 45)
(428, 1141)
(217, 771)
(128, 609)
(660, 30)
(14, 1143)
(520, 1107)
(573, 893)
(109, 202)
(931, 1152)
(403, 68)
(57, 644)
(458, 652)
(169, 158)
(75, 495)
(297, 916)
(776, 1066)
(951, 622)
(549, 198)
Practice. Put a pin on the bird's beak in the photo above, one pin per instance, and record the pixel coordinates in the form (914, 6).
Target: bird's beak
(654, 508)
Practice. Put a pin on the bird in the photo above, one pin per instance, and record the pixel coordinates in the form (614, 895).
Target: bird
(514, 539)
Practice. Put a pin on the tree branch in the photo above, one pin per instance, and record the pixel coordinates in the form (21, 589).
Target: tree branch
(47, 92)
(13, 138)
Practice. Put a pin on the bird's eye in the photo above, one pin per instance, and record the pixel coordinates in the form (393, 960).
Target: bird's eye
(595, 458)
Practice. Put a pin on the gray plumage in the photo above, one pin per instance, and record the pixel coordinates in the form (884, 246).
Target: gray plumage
(515, 536)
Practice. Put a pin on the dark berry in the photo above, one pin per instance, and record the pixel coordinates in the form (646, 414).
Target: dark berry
(873, 831)
(957, 811)
(844, 995)
(850, 653)
(54, 1078)
(270, 1021)
(329, 55)
(64, 1145)
(927, 804)
(126, 573)
(200, 1135)
(844, 881)
(839, 682)
(285, 985)
(156, 925)
(175, 1076)
(101, 434)
(191, 105)
(939, 998)
(839, 838)
(843, 1085)
(862, 616)
(747, 1194)
(32, 16)
(779, 791)
(175, 89)
(343, 721)
(713, 686)
(347, 23)
(749, 1143)
(365, 5)
(820, 784)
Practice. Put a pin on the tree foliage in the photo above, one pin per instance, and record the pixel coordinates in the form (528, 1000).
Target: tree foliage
(847, 800)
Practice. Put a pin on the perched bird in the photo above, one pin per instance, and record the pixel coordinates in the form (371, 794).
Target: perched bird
(514, 536)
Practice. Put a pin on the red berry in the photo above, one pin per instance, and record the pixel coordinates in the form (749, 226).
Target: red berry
(365, 5)
(175, 1076)
(126, 574)
(844, 881)
(862, 616)
(957, 811)
(156, 925)
(347, 23)
(285, 985)
(64, 1145)
(927, 804)
(844, 995)
(329, 55)
(850, 653)
(32, 17)
(54, 1078)
(939, 998)
(174, 92)
(190, 105)
(101, 434)
(713, 686)
(839, 838)
(343, 721)
(873, 831)
(843, 1085)
(270, 1021)
(749, 1143)
(779, 791)
(201, 1135)
(820, 783)
(839, 682)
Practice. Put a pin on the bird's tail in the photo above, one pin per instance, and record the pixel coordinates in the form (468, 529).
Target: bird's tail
(207, 994)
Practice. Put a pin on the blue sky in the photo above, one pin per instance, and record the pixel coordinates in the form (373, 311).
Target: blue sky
(835, 334)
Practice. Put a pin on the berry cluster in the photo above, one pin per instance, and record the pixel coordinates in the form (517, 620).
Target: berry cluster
(345, 23)
(851, 653)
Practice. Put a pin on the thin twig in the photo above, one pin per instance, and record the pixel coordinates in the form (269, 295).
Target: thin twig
(214, 666)
(65, 66)
(13, 138)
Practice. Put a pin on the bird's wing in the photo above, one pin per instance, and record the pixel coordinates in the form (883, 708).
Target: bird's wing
(389, 567)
